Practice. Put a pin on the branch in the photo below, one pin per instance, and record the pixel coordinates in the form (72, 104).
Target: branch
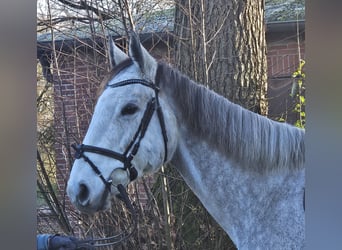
(45, 186)
(55, 21)
(84, 6)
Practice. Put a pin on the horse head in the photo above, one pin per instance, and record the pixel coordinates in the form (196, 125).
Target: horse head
(133, 131)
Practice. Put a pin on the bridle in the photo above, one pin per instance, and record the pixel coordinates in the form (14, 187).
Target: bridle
(132, 148)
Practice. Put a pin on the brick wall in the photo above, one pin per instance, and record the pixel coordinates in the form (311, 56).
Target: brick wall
(77, 77)
(282, 61)
(282, 58)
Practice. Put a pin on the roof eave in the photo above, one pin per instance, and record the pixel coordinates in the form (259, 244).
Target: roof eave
(285, 26)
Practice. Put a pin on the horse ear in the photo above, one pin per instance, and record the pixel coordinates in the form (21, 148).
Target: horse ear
(147, 64)
(116, 55)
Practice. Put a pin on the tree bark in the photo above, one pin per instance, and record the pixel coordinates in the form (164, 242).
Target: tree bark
(222, 45)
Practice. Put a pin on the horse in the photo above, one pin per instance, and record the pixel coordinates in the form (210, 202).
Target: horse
(247, 170)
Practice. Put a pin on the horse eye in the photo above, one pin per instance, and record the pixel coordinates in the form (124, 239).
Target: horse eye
(129, 109)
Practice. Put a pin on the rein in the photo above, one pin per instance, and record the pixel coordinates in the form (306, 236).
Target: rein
(126, 157)
(116, 239)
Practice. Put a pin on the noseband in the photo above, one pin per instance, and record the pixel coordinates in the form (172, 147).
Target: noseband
(131, 150)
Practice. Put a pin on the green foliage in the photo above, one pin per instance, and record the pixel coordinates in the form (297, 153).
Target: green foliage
(297, 92)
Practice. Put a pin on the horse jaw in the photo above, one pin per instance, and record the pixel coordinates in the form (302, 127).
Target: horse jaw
(148, 65)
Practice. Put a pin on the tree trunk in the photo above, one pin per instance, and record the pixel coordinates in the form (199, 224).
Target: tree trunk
(222, 45)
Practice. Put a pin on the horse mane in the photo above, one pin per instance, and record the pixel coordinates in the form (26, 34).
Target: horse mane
(245, 137)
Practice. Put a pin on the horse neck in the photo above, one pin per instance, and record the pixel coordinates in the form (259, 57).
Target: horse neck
(236, 198)
(248, 138)
(235, 195)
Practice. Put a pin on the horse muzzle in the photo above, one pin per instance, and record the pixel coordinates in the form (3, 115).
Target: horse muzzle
(92, 195)
(87, 199)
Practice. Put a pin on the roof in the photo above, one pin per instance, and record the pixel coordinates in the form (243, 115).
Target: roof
(280, 15)
(156, 22)
(284, 10)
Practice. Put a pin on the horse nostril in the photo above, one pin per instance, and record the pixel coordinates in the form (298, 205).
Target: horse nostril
(83, 195)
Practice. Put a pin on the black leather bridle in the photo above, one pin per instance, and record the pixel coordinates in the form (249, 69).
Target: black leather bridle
(131, 150)
(126, 157)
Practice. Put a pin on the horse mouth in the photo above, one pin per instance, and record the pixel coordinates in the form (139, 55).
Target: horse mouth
(92, 206)
(92, 209)
(101, 204)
